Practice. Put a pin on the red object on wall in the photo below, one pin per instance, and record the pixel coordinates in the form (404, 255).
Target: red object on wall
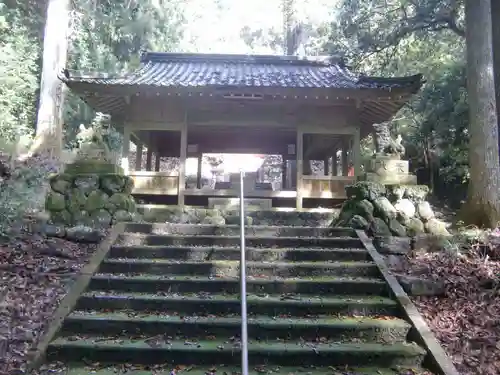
(350, 172)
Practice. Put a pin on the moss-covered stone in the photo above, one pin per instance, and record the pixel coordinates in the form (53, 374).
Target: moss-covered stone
(396, 228)
(128, 185)
(55, 202)
(61, 183)
(80, 217)
(76, 200)
(358, 222)
(100, 218)
(113, 183)
(122, 215)
(60, 217)
(365, 190)
(95, 167)
(384, 209)
(86, 183)
(120, 201)
(96, 200)
(416, 193)
(364, 208)
(415, 227)
(378, 227)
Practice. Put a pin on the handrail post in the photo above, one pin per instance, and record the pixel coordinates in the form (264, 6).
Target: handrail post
(243, 282)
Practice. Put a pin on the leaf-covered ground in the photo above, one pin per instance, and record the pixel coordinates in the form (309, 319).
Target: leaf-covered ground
(35, 274)
(467, 319)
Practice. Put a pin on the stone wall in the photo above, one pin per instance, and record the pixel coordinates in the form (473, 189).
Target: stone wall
(98, 200)
(399, 210)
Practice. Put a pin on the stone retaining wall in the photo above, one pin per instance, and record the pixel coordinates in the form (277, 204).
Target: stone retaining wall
(90, 199)
(399, 210)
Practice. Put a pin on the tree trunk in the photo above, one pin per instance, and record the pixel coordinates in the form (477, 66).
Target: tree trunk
(482, 206)
(495, 14)
(49, 132)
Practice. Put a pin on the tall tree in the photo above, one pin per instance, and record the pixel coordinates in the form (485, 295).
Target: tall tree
(49, 127)
(482, 206)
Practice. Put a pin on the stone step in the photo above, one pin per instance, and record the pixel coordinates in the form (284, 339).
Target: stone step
(381, 330)
(161, 350)
(193, 284)
(231, 268)
(139, 239)
(234, 230)
(173, 214)
(233, 253)
(260, 304)
(260, 369)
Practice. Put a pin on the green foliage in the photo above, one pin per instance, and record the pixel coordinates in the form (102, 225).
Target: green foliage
(18, 74)
(397, 37)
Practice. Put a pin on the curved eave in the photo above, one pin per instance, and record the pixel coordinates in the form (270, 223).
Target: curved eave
(376, 104)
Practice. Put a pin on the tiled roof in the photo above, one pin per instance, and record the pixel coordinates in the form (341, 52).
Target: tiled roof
(209, 70)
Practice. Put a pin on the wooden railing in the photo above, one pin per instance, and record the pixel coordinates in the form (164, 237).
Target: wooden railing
(325, 186)
(155, 183)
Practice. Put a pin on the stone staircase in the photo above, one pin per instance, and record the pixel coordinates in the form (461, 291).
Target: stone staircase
(169, 295)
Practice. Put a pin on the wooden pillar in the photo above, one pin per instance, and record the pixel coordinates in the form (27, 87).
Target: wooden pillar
(125, 148)
(182, 165)
(157, 161)
(344, 158)
(284, 172)
(326, 168)
(356, 153)
(299, 152)
(149, 158)
(138, 157)
(198, 171)
(335, 163)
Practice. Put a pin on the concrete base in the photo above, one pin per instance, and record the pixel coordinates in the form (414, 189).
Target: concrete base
(233, 203)
(393, 179)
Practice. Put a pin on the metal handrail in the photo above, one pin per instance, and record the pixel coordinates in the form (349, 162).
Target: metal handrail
(243, 282)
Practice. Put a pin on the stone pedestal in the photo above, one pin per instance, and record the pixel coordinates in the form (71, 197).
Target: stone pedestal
(389, 170)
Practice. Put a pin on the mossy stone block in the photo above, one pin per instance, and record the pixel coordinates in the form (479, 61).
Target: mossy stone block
(113, 183)
(61, 183)
(96, 167)
(128, 185)
(96, 200)
(61, 217)
(120, 201)
(100, 218)
(55, 202)
(76, 200)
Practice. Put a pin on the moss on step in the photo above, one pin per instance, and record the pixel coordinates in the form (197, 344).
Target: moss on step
(76, 369)
(233, 253)
(188, 284)
(263, 304)
(99, 348)
(231, 268)
(364, 329)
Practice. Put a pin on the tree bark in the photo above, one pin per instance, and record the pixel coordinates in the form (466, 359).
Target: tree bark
(495, 35)
(49, 125)
(482, 206)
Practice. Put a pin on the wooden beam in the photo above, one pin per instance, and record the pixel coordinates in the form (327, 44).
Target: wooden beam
(157, 161)
(182, 166)
(198, 171)
(356, 154)
(138, 156)
(299, 155)
(125, 148)
(149, 159)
